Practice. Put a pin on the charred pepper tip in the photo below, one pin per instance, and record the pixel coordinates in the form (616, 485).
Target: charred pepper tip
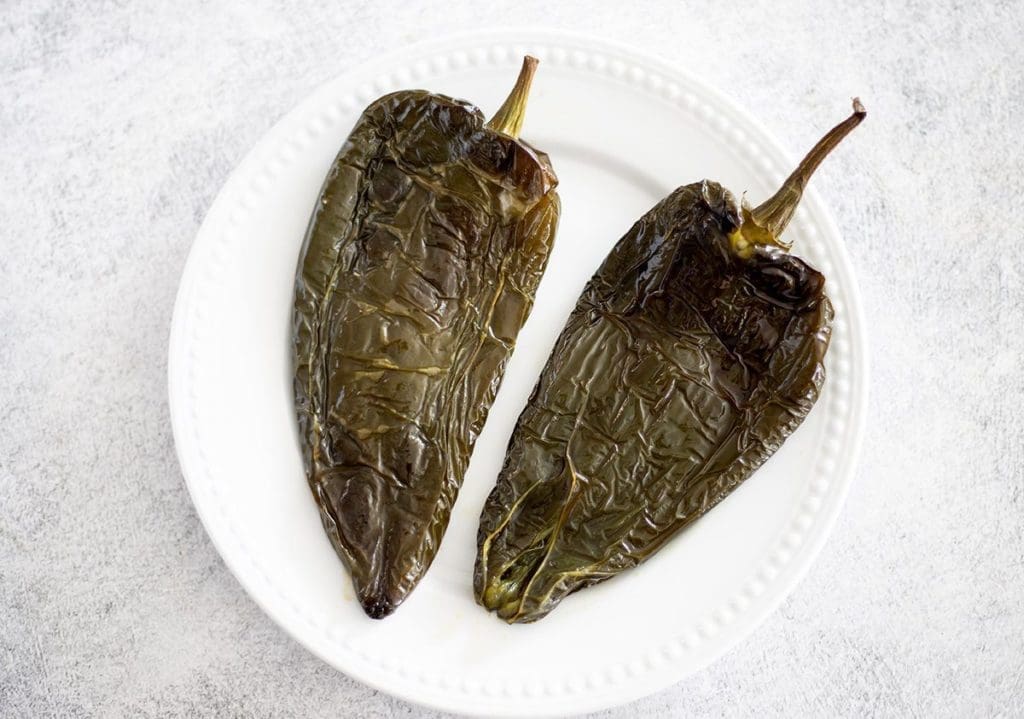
(508, 120)
(763, 225)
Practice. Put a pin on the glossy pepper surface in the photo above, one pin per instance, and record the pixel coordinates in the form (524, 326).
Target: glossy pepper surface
(417, 272)
(692, 354)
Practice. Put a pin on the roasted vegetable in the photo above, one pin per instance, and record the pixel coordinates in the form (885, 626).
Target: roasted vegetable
(417, 272)
(691, 355)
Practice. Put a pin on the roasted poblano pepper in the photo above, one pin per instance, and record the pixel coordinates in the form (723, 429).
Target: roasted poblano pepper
(417, 272)
(691, 355)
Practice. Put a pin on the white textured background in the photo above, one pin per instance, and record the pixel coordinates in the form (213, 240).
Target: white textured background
(119, 123)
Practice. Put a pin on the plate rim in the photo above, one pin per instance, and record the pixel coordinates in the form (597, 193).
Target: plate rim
(518, 39)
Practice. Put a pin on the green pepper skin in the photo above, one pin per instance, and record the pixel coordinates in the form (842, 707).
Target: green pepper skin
(417, 272)
(683, 367)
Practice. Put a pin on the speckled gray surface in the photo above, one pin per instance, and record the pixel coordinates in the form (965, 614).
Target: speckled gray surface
(119, 123)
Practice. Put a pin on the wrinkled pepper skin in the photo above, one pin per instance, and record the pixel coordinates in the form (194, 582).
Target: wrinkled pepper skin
(683, 367)
(693, 352)
(417, 272)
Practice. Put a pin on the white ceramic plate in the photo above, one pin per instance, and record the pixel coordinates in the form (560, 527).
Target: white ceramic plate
(622, 130)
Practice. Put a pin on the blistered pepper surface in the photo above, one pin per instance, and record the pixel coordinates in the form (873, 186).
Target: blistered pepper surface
(418, 270)
(681, 370)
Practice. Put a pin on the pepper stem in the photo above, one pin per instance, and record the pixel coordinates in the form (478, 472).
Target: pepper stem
(508, 120)
(763, 224)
